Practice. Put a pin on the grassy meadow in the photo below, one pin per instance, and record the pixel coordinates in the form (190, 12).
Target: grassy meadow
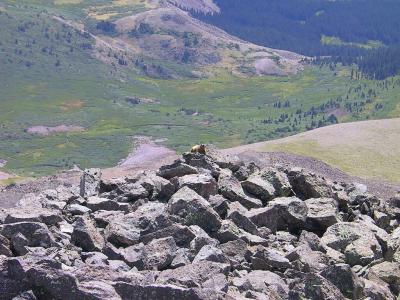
(49, 77)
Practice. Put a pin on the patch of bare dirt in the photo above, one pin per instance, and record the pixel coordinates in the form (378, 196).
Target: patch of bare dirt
(46, 130)
(147, 154)
(4, 175)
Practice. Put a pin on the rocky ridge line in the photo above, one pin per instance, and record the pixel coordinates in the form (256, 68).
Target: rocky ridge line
(204, 227)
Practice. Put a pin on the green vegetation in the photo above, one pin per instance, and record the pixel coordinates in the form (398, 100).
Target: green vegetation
(50, 76)
(335, 41)
(354, 148)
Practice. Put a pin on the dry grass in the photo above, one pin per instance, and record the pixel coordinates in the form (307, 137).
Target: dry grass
(368, 149)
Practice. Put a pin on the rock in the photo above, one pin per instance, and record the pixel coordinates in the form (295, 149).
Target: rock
(281, 214)
(201, 239)
(181, 258)
(319, 288)
(193, 275)
(37, 234)
(97, 290)
(182, 235)
(132, 255)
(219, 204)
(259, 187)
(127, 230)
(177, 169)
(96, 203)
(345, 279)
(118, 265)
(77, 209)
(264, 217)
(203, 184)
(356, 242)
(311, 240)
(159, 254)
(309, 260)
(27, 295)
(245, 171)
(129, 291)
(86, 236)
(130, 192)
(322, 213)
(279, 180)
(194, 210)
(238, 215)
(263, 281)
(5, 246)
(44, 215)
(307, 185)
(103, 217)
(228, 232)
(230, 188)
(210, 253)
(237, 252)
(376, 291)
(389, 272)
(159, 188)
(94, 258)
(90, 182)
(202, 162)
(269, 259)
(19, 244)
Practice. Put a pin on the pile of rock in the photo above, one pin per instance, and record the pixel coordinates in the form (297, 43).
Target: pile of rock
(202, 228)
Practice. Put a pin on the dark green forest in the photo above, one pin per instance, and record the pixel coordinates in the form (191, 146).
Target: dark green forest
(365, 32)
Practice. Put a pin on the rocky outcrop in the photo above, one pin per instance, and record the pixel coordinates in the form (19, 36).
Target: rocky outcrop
(202, 228)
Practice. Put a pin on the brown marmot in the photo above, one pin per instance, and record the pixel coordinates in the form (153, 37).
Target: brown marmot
(199, 149)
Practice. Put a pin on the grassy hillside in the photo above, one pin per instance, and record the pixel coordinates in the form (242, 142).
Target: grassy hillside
(368, 149)
(50, 76)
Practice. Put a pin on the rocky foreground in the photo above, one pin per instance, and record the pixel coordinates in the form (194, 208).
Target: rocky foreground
(202, 228)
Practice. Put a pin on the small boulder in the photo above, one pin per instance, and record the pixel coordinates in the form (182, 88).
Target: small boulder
(86, 236)
(321, 213)
(90, 182)
(356, 242)
(231, 188)
(203, 184)
(194, 210)
(211, 253)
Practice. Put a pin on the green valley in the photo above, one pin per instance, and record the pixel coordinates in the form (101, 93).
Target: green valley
(52, 74)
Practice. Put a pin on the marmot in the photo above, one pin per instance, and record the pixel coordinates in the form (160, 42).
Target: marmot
(199, 149)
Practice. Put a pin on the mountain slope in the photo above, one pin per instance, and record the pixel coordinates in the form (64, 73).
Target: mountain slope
(368, 149)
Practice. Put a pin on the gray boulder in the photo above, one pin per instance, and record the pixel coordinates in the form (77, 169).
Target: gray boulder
(345, 279)
(307, 185)
(355, 241)
(211, 253)
(194, 210)
(238, 215)
(159, 254)
(321, 213)
(96, 203)
(231, 188)
(269, 259)
(36, 234)
(388, 272)
(177, 169)
(319, 288)
(203, 184)
(90, 182)
(263, 281)
(86, 236)
(5, 246)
